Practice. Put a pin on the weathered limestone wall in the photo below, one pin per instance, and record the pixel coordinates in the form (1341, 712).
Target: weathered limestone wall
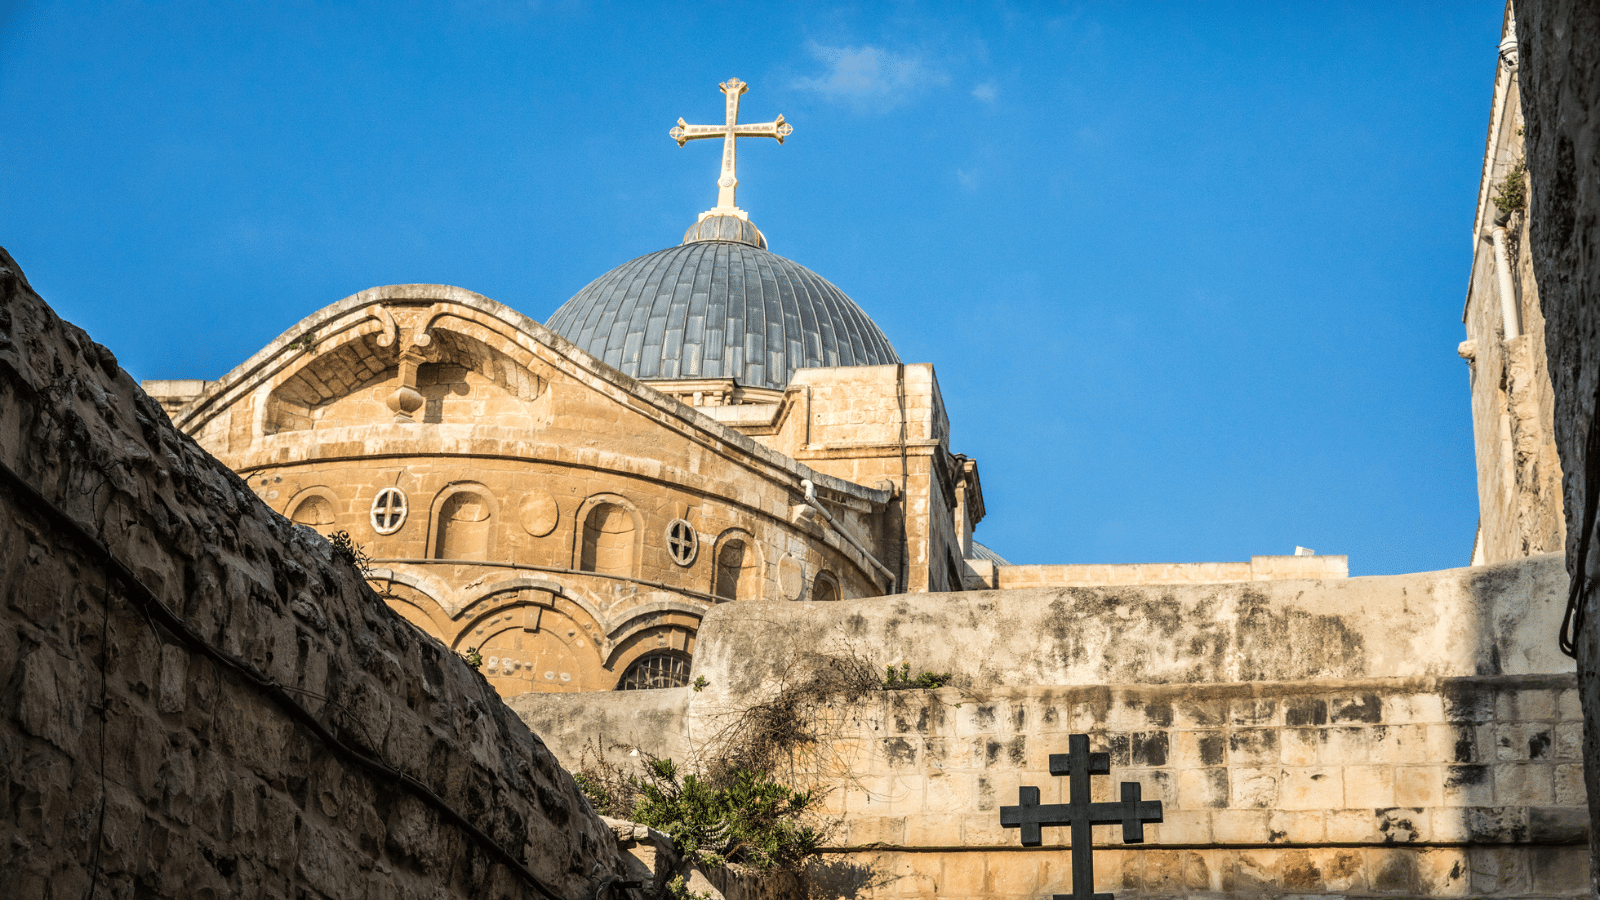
(1259, 568)
(219, 753)
(1414, 734)
(1559, 49)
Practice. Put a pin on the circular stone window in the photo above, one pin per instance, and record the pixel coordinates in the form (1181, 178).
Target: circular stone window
(388, 511)
(682, 542)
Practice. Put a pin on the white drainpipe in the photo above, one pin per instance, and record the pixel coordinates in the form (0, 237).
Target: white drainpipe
(814, 503)
(1502, 268)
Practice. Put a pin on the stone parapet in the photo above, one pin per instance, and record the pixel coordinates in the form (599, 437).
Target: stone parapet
(1259, 568)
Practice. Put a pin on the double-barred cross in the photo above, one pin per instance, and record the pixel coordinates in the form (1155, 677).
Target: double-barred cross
(1078, 764)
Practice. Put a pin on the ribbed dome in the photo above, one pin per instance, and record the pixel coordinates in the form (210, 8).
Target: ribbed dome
(719, 309)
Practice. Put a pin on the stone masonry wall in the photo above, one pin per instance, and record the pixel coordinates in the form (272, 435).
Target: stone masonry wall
(1413, 735)
(1559, 50)
(270, 729)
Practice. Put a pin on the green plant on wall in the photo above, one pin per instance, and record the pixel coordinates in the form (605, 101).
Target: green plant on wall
(901, 679)
(346, 548)
(1511, 195)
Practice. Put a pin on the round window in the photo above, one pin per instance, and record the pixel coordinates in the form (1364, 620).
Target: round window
(682, 542)
(388, 511)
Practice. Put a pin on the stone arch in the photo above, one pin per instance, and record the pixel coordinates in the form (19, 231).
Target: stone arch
(315, 506)
(608, 537)
(656, 669)
(825, 587)
(662, 627)
(347, 365)
(462, 522)
(416, 605)
(529, 646)
(736, 569)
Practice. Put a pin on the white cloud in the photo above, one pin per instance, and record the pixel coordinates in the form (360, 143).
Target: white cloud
(868, 73)
(986, 91)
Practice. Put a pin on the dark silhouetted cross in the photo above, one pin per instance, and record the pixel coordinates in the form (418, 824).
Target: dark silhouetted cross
(1078, 764)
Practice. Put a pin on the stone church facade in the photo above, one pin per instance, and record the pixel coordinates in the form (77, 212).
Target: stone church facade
(707, 423)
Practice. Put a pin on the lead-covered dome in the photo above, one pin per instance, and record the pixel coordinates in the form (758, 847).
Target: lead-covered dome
(719, 306)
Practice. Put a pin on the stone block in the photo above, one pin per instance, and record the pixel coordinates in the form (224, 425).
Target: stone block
(1558, 824)
(1393, 871)
(1241, 826)
(1253, 747)
(1498, 824)
(1413, 709)
(1195, 749)
(1569, 740)
(1527, 706)
(1355, 709)
(1200, 713)
(1299, 746)
(1523, 784)
(1296, 827)
(1449, 824)
(1498, 870)
(1254, 712)
(1402, 825)
(1468, 786)
(1311, 787)
(1352, 826)
(1444, 872)
(1368, 786)
(1203, 788)
(985, 830)
(1560, 870)
(1403, 744)
(960, 875)
(942, 830)
(948, 793)
(1418, 786)
(1569, 787)
(1181, 826)
(1254, 788)
(865, 831)
(1569, 706)
(1453, 744)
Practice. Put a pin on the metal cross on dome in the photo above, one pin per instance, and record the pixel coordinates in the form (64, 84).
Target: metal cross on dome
(1078, 764)
(730, 133)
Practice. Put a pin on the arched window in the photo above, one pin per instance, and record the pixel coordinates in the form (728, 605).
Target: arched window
(463, 529)
(733, 561)
(823, 589)
(608, 541)
(314, 510)
(655, 670)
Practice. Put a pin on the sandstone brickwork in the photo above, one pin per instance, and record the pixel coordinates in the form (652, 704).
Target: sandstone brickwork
(199, 699)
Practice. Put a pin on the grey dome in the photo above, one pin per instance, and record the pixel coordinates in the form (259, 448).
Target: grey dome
(719, 309)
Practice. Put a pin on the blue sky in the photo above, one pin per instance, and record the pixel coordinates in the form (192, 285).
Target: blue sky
(1191, 274)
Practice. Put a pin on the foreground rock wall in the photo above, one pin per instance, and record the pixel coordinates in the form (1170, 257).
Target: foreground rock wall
(1414, 734)
(1559, 50)
(197, 699)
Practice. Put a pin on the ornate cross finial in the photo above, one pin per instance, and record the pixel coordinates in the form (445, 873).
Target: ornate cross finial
(729, 133)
